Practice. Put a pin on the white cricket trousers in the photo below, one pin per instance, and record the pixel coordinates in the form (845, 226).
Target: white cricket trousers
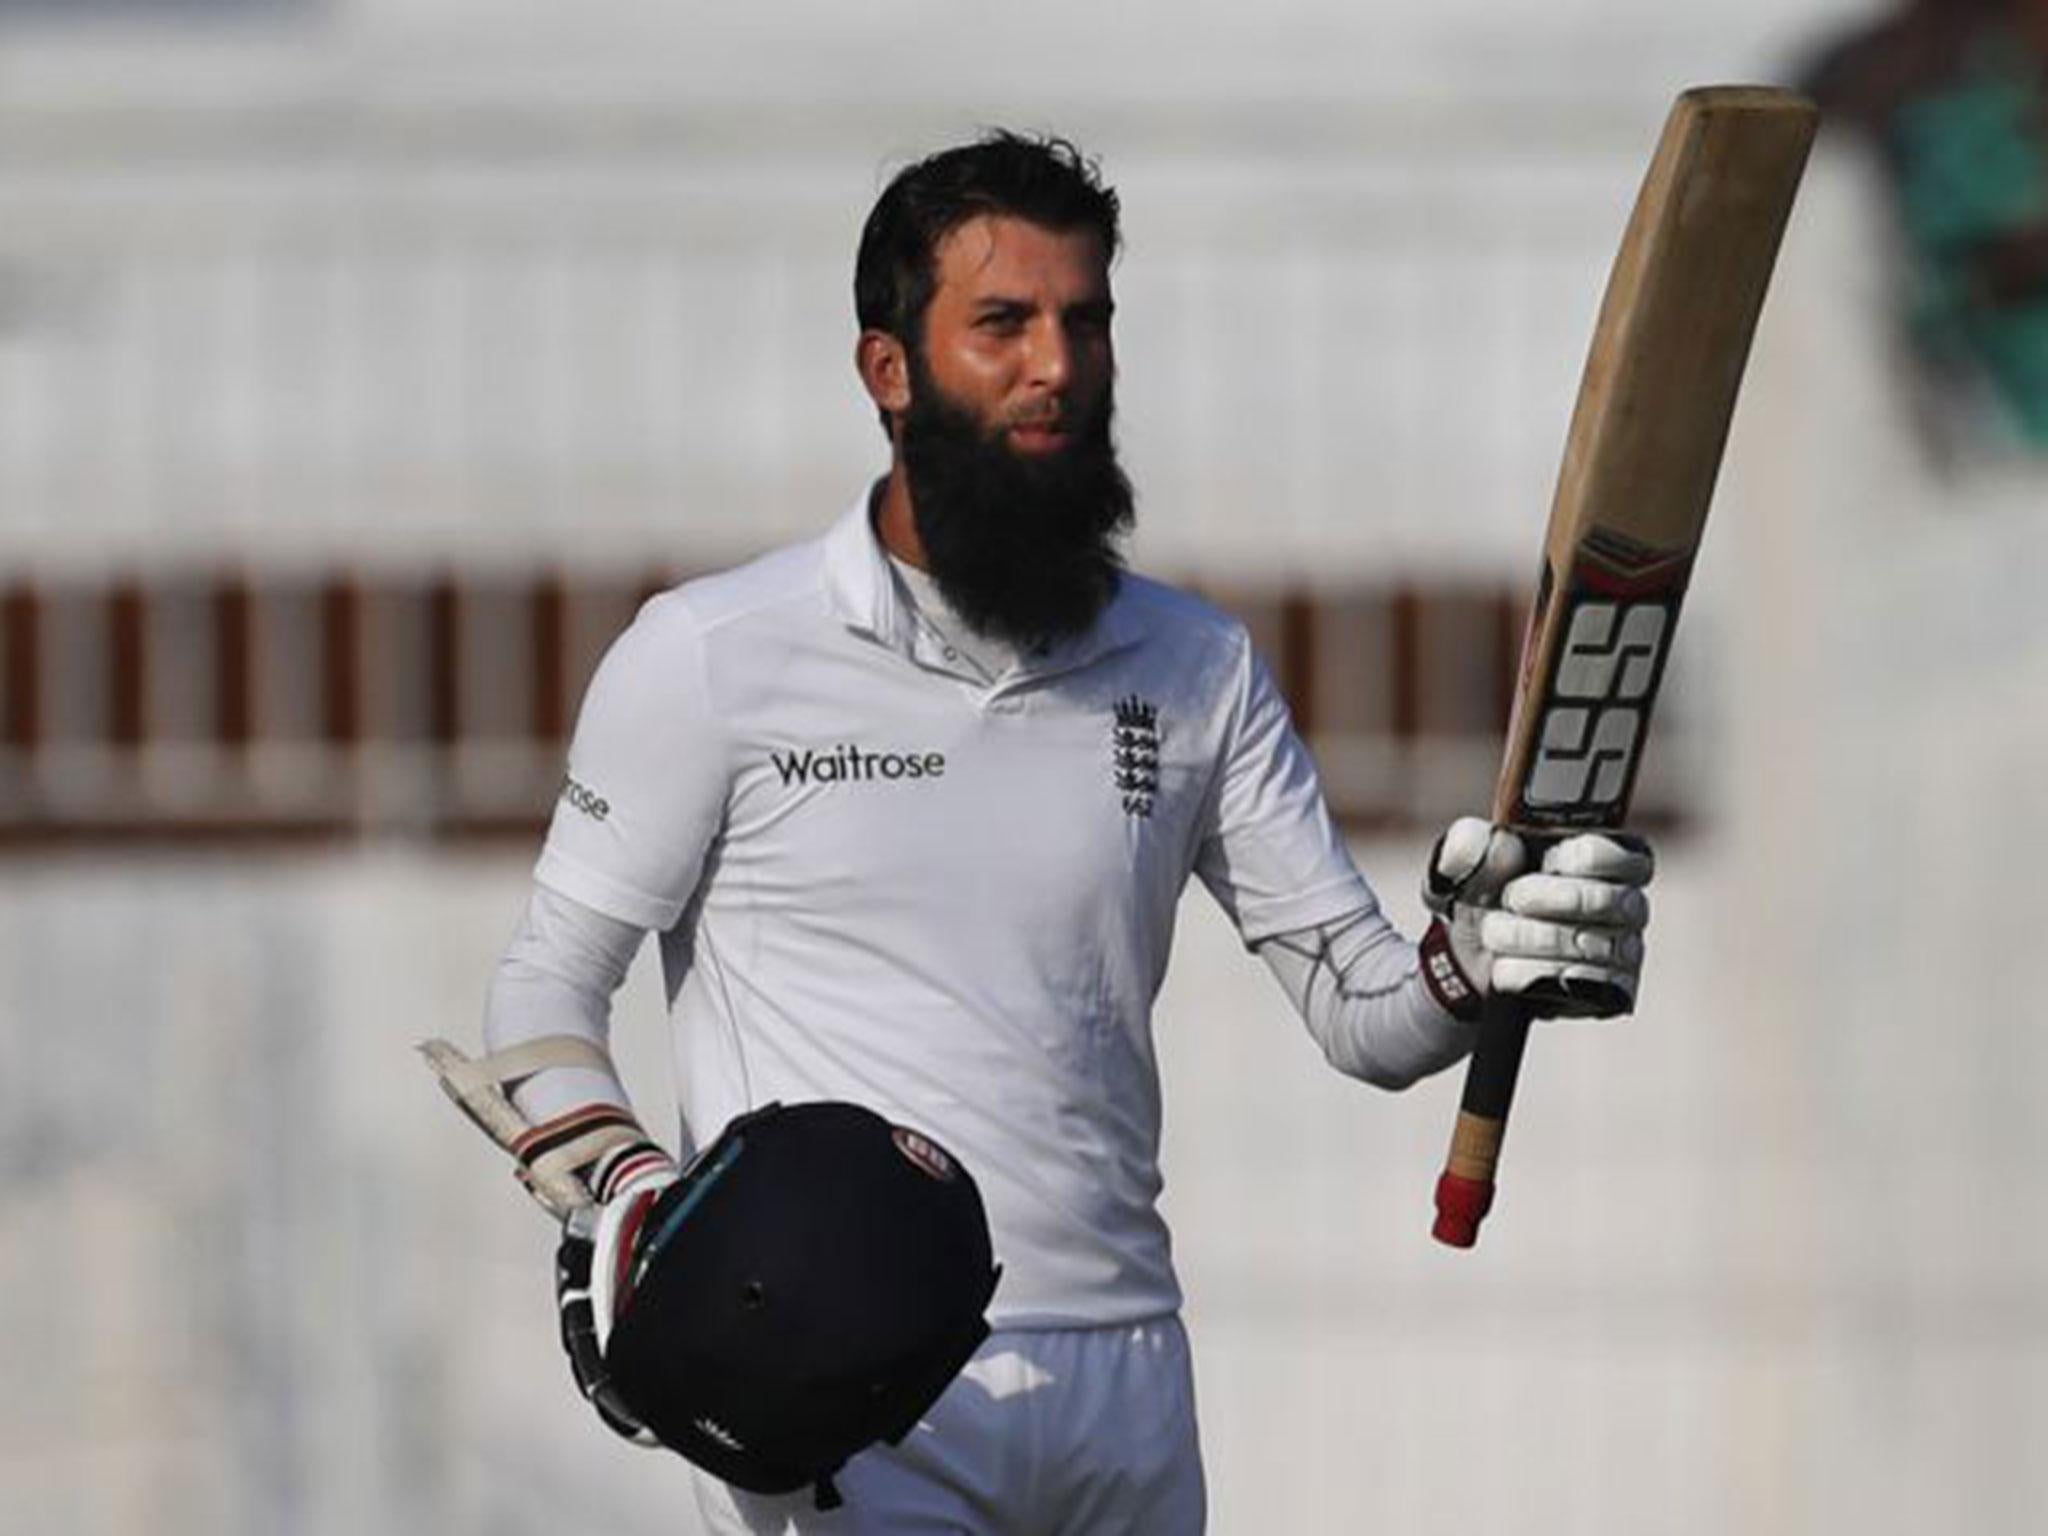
(1046, 1432)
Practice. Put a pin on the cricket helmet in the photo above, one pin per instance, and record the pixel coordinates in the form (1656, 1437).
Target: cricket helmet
(809, 1286)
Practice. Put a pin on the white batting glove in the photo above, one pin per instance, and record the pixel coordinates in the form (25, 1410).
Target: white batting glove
(594, 1169)
(1468, 867)
(593, 1273)
(1567, 938)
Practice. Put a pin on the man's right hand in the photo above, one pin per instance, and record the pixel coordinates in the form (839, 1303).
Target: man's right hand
(594, 1169)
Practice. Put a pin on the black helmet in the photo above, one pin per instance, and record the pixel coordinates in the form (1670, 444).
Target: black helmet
(809, 1286)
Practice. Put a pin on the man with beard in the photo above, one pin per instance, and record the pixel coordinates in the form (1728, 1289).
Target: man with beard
(911, 807)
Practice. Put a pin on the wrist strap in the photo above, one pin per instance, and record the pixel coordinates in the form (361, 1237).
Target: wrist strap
(554, 1155)
(1445, 978)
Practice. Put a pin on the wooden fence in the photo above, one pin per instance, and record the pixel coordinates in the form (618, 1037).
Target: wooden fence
(216, 705)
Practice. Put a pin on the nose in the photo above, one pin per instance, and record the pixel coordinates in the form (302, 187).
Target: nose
(1050, 363)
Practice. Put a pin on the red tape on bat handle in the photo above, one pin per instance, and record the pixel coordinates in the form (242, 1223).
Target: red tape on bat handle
(1464, 1194)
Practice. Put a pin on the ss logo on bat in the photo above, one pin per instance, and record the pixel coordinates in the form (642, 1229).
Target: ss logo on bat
(1599, 698)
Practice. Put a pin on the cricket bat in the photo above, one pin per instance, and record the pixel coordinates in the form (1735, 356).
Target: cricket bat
(1638, 476)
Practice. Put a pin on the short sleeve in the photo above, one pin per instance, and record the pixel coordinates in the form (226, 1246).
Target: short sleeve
(645, 793)
(1271, 855)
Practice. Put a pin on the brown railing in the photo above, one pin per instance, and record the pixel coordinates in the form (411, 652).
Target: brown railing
(209, 706)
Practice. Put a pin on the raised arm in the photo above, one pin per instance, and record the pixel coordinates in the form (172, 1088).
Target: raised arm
(1359, 987)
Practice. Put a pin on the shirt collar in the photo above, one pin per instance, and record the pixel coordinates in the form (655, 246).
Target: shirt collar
(863, 594)
(857, 578)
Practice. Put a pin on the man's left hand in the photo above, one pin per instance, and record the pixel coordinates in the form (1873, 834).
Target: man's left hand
(1566, 938)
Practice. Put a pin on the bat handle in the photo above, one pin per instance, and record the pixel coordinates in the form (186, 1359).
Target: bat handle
(1464, 1194)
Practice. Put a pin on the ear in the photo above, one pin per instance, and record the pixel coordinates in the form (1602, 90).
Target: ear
(884, 369)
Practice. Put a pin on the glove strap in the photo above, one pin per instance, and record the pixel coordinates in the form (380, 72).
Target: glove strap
(557, 1156)
(625, 1165)
(1445, 978)
(570, 1144)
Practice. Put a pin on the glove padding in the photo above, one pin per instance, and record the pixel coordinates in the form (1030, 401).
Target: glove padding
(1566, 938)
(593, 1281)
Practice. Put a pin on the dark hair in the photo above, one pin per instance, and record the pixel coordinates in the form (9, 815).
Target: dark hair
(1045, 180)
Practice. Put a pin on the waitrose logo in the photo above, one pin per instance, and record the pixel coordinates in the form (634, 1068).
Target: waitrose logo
(850, 764)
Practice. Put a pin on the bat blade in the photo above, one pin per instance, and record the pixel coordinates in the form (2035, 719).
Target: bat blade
(1640, 461)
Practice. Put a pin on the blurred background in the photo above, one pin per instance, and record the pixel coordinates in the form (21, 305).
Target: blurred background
(362, 364)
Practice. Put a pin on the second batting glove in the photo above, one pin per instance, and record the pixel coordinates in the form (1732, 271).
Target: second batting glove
(593, 1274)
(1566, 938)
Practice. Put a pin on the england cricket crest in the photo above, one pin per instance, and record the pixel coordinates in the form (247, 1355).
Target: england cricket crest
(1134, 754)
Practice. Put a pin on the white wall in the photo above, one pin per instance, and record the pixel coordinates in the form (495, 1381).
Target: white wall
(397, 284)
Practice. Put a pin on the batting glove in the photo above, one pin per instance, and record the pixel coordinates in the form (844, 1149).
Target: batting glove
(1566, 938)
(594, 1271)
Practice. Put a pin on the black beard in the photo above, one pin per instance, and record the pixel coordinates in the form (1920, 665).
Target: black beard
(1023, 548)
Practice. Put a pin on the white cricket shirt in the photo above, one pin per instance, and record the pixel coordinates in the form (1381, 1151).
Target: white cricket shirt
(879, 879)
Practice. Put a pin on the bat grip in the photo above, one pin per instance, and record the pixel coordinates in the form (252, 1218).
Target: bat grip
(1464, 1193)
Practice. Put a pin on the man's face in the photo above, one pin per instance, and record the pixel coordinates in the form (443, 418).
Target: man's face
(1017, 331)
(1015, 487)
